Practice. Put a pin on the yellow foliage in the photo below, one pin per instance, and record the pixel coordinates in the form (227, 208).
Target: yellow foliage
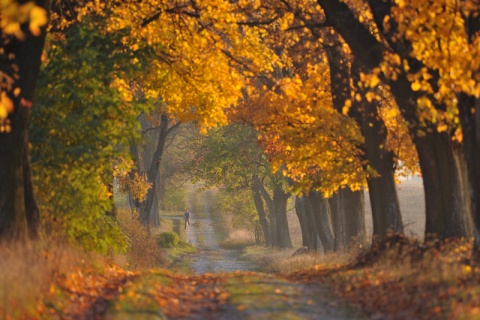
(439, 40)
(13, 15)
(201, 55)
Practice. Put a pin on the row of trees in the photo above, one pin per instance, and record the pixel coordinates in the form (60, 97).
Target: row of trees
(342, 94)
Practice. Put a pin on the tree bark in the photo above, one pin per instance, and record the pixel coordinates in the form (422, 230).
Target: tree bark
(319, 209)
(280, 198)
(262, 216)
(337, 212)
(271, 216)
(145, 215)
(348, 218)
(354, 206)
(308, 234)
(19, 214)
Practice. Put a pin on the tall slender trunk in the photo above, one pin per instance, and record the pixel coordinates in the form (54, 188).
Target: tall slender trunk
(271, 216)
(262, 216)
(319, 210)
(338, 220)
(161, 191)
(134, 153)
(19, 214)
(152, 173)
(280, 198)
(315, 240)
(381, 189)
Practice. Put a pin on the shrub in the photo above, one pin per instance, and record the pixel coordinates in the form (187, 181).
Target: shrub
(143, 251)
(168, 239)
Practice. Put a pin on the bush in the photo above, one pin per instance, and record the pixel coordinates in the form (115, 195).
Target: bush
(143, 251)
(168, 239)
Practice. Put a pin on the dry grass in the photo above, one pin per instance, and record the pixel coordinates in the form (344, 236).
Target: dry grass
(28, 270)
(143, 252)
(238, 239)
(283, 261)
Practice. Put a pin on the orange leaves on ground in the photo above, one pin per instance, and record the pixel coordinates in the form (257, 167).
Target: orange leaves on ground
(92, 294)
(404, 279)
(86, 293)
(180, 297)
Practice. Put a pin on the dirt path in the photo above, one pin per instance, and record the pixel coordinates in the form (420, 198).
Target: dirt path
(223, 287)
(212, 258)
(254, 295)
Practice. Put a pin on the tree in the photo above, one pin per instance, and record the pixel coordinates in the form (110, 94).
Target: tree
(201, 60)
(441, 159)
(22, 37)
(80, 133)
(232, 157)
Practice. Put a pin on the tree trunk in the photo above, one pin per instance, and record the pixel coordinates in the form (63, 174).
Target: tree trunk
(301, 213)
(19, 215)
(383, 193)
(271, 216)
(257, 199)
(347, 209)
(338, 220)
(280, 199)
(319, 209)
(153, 171)
(446, 202)
(161, 191)
(135, 204)
(469, 108)
(354, 206)
(382, 189)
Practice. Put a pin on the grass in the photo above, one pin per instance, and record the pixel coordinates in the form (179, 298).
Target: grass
(238, 239)
(29, 271)
(283, 262)
(177, 258)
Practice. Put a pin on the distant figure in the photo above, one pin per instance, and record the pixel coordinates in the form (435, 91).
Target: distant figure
(186, 217)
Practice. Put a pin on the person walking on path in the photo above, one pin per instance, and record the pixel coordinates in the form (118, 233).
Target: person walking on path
(186, 217)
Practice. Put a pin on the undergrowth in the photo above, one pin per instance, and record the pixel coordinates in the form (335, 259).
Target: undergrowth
(29, 270)
(402, 278)
(143, 251)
